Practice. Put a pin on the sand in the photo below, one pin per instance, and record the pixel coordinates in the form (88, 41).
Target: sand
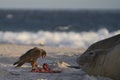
(58, 58)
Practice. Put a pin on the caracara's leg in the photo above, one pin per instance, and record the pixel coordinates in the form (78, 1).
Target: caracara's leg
(34, 64)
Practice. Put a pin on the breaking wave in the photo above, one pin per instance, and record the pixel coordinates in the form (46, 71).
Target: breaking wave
(68, 39)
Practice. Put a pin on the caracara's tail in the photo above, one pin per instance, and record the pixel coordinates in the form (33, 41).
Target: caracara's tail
(16, 63)
(19, 63)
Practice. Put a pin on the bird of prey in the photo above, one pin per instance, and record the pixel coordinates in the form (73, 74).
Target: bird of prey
(31, 57)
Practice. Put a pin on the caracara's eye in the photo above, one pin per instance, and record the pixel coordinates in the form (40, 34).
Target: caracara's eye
(91, 53)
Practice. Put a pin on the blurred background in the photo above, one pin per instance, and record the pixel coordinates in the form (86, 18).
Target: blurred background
(69, 23)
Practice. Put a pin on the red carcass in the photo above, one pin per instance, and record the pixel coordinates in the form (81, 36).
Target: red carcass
(45, 69)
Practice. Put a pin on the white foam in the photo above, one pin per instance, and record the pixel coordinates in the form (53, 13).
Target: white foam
(69, 39)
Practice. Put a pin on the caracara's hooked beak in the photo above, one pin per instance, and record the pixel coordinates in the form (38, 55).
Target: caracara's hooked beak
(44, 56)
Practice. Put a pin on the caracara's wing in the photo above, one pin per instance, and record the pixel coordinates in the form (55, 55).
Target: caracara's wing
(29, 52)
(35, 54)
(32, 53)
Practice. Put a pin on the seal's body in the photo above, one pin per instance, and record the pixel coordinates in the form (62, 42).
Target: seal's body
(102, 58)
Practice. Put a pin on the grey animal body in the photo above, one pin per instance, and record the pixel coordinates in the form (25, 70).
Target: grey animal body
(102, 58)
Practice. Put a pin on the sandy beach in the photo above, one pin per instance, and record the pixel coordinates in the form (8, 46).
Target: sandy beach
(63, 33)
(58, 58)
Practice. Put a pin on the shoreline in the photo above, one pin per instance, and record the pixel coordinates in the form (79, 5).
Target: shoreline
(17, 50)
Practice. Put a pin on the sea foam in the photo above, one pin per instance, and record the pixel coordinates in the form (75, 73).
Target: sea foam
(68, 39)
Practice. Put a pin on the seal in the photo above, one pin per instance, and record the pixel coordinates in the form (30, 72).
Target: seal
(102, 58)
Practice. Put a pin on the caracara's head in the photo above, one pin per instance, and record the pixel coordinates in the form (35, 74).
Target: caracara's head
(43, 54)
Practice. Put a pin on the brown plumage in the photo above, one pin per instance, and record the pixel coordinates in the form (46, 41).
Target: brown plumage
(31, 56)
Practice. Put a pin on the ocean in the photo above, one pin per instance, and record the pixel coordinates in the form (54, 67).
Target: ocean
(62, 28)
